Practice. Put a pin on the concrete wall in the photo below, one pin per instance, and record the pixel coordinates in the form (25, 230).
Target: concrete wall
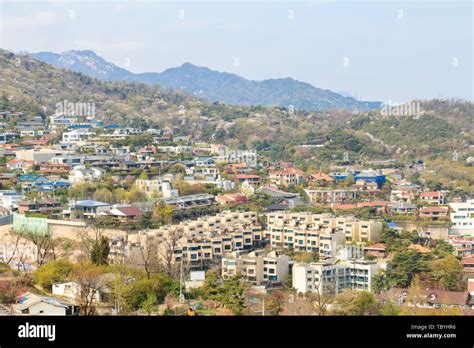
(435, 231)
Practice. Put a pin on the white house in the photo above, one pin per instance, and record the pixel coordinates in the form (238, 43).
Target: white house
(33, 304)
(72, 291)
(10, 199)
(462, 217)
(81, 174)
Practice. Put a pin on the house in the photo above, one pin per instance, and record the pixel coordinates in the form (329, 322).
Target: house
(124, 214)
(253, 180)
(434, 213)
(236, 168)
(29, 181)
(371, 176)
(403, 194)
(33, 304)
(10, 199)
(379, 206)
(402, 208)
(42, 205)
(378, 250)
(468, 265)
(287, 177)
(19, 164)
(72, 291)
(232, 198)
(82, 175)
(428, 298)
(366, 186)
(433, 197)
(205, 162)
(76, 136)
(320, 179)
(54, 168)
(53, 186)
(87, 209)
(463, 245)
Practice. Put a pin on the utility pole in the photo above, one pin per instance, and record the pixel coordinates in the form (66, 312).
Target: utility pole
(181, 296)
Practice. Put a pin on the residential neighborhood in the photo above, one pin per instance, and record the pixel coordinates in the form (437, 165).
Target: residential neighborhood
(87, 205)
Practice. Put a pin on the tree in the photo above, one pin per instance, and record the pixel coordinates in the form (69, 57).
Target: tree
(91, 282)
(53, 272)
(275, 301)
(162, 213)
(100, 251)
(380, 282)
(230, 294)
(166, 251)
(147, 254)
(353, 302)
(149, 304)
(404, 266)
(91, 235)
(43, 242)
(446, 274)
(160, 285)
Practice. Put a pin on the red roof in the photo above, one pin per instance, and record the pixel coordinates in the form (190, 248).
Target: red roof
(433, 210)
(246, 176)
(291, 171)
(468, 261)
(232, 198)
(344, 206)
(430, 194)
(130, 211)
(373, 204)
(377, 246)
(321, 176)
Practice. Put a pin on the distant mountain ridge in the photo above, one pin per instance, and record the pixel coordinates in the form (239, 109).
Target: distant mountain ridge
(212, 85)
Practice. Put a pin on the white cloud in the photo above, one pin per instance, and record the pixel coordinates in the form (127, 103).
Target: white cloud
(38, 19)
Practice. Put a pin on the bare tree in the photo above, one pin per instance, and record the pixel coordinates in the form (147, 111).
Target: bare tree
(90, 280)
(91, 235)
(166, 251)
(323, 295)
(43, 242)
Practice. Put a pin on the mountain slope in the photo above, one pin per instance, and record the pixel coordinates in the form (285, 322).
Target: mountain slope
(212, 85)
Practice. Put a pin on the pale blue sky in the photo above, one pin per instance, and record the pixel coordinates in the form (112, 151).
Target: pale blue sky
(394, 51)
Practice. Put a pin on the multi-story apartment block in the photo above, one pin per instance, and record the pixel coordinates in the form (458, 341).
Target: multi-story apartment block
(258, 267)
(205, 240)
(330, 195)
(462, 218)
(321, 233)
(333, 278)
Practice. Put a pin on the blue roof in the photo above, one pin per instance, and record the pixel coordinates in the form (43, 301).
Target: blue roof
(29, 177)
(80, 126)
(391, 224)
(90, 203)
(113, 126)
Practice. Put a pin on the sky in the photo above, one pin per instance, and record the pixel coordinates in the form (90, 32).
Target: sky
(376, 50)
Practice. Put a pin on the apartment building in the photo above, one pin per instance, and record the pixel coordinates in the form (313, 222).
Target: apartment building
(462, 218)
(258, 267)
(201, 242)
(330, 195)
(334, 277)
(320, 233)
